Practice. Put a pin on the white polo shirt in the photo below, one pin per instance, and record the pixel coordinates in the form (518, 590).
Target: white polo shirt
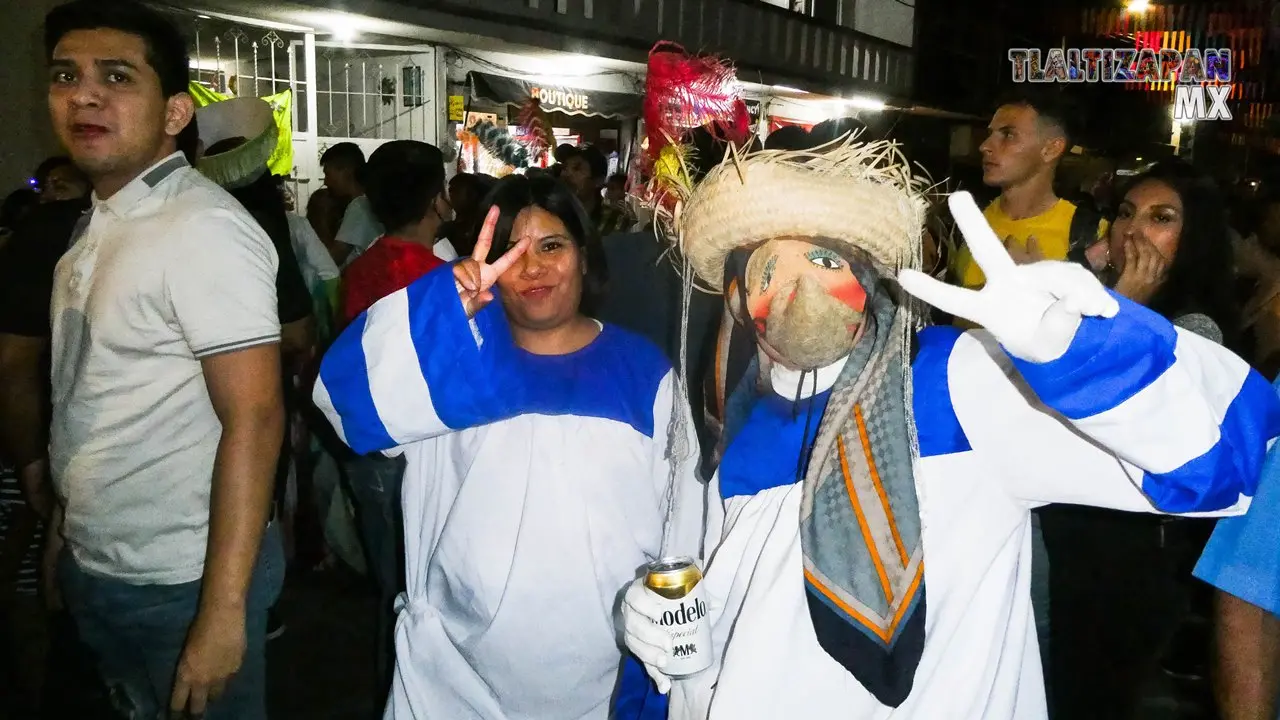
(169, 270)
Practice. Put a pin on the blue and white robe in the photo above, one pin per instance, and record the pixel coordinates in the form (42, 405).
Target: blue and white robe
(1137, 415)
(536, 489)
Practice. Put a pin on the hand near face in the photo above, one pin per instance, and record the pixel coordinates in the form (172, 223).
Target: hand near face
(1021, 255)
(1033, 310)
(1144, 271)
(475, 276)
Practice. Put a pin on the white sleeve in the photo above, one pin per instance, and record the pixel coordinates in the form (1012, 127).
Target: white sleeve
(222, 283)
(444, 250)
(1136, 415)
(359, 228)
(310, 250)
(687, 506)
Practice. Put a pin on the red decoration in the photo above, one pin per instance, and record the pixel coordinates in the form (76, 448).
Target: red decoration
(538, 135)
(684, 92)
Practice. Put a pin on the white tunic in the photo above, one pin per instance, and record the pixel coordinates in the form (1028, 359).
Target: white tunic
(1187, 424)
(536, 489)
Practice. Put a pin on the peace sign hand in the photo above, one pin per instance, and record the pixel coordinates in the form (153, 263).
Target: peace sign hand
(475, 276)
(1033, 310)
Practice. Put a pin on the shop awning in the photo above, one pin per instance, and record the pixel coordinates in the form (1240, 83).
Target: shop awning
(555, 98)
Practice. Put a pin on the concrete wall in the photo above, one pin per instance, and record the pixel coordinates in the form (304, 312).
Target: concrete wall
(892, 20)
(24, 115)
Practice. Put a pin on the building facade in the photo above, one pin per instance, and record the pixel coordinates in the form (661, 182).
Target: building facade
(414, 69)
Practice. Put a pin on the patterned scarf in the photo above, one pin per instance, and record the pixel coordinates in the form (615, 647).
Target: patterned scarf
(860, 519)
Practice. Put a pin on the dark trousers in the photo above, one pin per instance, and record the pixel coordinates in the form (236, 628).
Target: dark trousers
(137, 633)
(1118, 590)
(375, 483)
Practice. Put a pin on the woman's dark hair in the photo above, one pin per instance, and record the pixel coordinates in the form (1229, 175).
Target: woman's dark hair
(166, 48)
(1201, 277)
(514, 193)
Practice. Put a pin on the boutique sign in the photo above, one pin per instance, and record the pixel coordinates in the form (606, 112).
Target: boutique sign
(569, 100)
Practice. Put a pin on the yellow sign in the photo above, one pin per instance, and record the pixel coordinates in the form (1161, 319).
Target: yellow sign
(457, 106)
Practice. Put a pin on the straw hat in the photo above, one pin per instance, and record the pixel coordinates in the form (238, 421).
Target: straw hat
(248, 118)
(860, 194)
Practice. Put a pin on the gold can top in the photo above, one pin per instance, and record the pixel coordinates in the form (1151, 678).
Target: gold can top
(673, 578)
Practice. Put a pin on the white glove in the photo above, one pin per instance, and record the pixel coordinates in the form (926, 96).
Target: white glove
(644, 636)
(1032, 310)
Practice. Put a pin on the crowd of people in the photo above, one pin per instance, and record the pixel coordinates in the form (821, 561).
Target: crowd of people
(518, 392)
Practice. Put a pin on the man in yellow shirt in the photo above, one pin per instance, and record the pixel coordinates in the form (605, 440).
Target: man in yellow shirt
(1026, 139)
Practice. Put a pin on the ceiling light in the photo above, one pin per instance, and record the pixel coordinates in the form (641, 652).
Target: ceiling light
(863, 102)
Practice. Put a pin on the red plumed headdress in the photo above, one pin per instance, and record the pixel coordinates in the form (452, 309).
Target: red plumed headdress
(684, 92)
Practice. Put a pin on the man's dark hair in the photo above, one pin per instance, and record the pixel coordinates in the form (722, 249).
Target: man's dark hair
(46, 168)
(829, 131)
(563, 152)
(1052, 108)
(618, 178)
(166, 48)
(595, 160)
(344, 156)
(402, 180)
(789, 137)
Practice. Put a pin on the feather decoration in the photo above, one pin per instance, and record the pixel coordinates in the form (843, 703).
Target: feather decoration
(500, 144)
(536, 134)
(684, 92)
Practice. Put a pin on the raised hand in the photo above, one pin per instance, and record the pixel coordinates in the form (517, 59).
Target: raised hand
(475, 276)
(1021, 255)
(1144, 270)
(1033, 310)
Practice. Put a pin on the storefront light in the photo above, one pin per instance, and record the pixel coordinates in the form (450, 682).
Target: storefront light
(1137, 6)
(342, 26)
(862, 102)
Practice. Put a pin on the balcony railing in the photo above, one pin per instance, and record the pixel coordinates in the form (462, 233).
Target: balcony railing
(755, 35)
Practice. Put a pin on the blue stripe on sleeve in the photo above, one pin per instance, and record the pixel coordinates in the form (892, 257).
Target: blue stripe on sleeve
(1243, 556)
(346, 376)
(937, 426)
(1231, 468)
(1109, 361)
(469, 388)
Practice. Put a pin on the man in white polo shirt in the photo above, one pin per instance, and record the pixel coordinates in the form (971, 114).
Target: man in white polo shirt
(167, 410)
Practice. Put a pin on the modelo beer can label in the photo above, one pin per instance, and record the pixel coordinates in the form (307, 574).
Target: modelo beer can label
(679, 582)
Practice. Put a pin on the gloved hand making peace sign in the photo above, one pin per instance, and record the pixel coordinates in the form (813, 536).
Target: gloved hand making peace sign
(1033, 310)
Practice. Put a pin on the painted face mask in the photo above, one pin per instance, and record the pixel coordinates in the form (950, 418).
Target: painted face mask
(804, 301)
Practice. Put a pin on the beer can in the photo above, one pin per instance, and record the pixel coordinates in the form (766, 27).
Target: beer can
(679, 582)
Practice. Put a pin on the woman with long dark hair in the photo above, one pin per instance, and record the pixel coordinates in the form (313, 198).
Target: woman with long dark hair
(1170, 250)
(540, 459)
(1119, 581)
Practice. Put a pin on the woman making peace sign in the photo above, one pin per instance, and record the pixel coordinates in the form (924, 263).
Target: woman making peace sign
(538, 477)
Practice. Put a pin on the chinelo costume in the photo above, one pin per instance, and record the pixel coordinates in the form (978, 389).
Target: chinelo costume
(877, 480)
